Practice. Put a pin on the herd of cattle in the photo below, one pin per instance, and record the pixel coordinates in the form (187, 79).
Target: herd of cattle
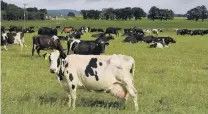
(82, 66)
(191, 32)
(15, 35)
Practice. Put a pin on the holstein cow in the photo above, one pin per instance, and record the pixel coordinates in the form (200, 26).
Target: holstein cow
(76, 35)
(47, 31)
(86, 47)
(15, 29)
(100, 73)
(111, 30)
(161, 42)
(41, 42)
(13, 38)
(84, 29)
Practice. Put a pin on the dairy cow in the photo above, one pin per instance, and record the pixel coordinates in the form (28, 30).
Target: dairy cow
(100, 73)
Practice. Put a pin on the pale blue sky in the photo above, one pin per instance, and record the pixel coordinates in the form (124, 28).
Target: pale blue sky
(178, 6)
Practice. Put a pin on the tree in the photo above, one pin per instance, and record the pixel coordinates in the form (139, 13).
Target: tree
(138, 13)
(71, 14)
(204, 12)
(3, 5)
(199, 12)
(153, 13)
(84, 14)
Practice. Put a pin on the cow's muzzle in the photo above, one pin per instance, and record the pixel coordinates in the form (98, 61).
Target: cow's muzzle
(52, 70)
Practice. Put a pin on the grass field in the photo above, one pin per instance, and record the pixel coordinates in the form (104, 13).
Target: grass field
(173, 80)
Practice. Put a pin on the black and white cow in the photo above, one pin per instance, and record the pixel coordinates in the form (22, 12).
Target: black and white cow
(86, 47)
(47, 31)
(13, 38)
(161, 42)
(42, 42)
(16, 29)
(100, 73)
(76, 35)
(111, 30)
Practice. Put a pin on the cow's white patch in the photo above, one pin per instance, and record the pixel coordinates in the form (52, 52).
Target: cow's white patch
(75, 40)
(55, 37)
(4, 35)
(54, 58)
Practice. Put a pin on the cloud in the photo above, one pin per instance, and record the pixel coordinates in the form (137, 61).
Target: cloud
(178, 6)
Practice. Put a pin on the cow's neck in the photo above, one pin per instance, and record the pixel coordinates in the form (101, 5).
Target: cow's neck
(61, 68)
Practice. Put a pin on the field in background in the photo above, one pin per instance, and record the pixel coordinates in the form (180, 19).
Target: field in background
(172, 24)
(168, 81)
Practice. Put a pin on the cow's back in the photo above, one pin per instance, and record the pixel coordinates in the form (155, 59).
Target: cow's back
(94, 71)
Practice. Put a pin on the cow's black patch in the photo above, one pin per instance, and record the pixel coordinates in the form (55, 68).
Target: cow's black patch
(66, 65)
(89, 70)
(67, 71)
(60, 75)
(131, 70)
(100, 63)
(71, 77)
(58, 62)
(73, 86)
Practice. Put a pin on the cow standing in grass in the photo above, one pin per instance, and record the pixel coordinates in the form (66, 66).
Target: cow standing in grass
(13, 38)
(100, 73)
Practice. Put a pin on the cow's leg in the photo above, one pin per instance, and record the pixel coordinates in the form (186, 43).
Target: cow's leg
(73, 97)
(21, 45)
(38, 51)
(127, 81)
(132, 91)
(72, 89)
(69, 103)
(5, 47)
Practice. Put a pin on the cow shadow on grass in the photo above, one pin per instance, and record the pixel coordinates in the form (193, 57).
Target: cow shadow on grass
(80, 102)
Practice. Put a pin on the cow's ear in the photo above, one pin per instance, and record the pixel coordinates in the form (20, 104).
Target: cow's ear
(46, 55)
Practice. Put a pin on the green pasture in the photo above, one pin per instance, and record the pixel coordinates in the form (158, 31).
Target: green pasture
(172, 80)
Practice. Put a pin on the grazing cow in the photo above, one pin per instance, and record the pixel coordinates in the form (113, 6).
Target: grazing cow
(86, 47)
(161, 42)
(96, 30)
(84, 29)
(130, 39)
(29, 30)
(42, 42)
(100, 73)
(15, 29)
(197, 32)
(57, 27)
(155, 31)
(111, 30)
(76, 35)
(13, 38)
(148, 39)
(47, 31)
(100, 30)
(67, 30)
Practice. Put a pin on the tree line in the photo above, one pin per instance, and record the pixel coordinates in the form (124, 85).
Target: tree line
(155, 13)
(199, 12)
(13, 12)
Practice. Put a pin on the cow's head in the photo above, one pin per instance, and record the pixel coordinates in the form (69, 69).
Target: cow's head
(171, 40)
(101, 45)
(55, 59)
